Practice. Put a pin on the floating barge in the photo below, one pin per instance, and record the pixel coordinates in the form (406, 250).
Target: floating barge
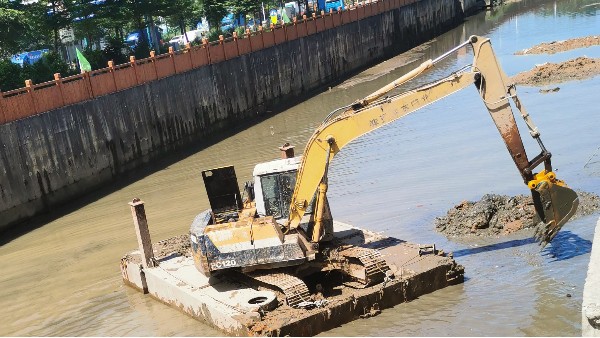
(239, 306)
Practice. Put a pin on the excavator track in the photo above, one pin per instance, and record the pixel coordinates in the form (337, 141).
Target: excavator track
(375, 267)
(293, 288)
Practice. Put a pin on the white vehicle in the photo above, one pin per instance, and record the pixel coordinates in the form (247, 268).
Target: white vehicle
(179, 41)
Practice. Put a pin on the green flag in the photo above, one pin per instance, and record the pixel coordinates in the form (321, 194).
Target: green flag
(84, 65)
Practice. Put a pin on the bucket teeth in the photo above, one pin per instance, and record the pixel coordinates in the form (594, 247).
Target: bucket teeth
(555, 205)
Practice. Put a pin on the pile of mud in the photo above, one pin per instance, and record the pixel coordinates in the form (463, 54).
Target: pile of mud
(549, 73)
(561, 46)
(495, 215)
(178, 245)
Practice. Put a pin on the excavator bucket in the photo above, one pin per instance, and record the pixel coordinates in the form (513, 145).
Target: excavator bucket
(554, 202)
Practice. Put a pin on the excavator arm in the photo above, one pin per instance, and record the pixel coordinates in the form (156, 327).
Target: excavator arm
(555, 203)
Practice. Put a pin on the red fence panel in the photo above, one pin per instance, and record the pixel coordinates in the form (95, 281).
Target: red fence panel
(320, 22)
(199, 56)
(328, 19)
(369, 9)
(256, 42)
(102, 82)
(75, 89)
(216, 52)
(125, 76)
(311, 26)
(291, 32)
(301, 29)
(2, 110)
(165, 66)
(244, 45)
(337, 19)
(360, 11)
(387, 5)
(145, 70)
(47, 96)
(346, 18)
(18, 104)
(231, 49)
(279, 33)
(354, 14)
(375, 8)
(268, 38)
(183, 61)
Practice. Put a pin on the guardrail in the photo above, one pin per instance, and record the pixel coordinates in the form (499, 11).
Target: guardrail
(38, 98)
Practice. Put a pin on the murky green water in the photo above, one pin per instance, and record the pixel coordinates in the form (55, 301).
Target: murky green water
(63, 278)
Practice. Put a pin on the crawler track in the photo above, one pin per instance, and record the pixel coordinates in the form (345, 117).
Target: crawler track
(293, 287)
(375, 266)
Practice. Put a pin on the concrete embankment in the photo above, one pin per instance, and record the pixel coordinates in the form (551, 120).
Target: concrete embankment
(590, 312)
(57, 156)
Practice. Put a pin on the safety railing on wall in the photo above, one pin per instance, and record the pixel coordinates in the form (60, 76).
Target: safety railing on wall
(38, 98)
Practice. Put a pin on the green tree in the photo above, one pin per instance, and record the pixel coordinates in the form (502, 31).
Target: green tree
(56, 16)
(214, 11)
(43, 70)
(244, 7)
(11, 76)
(183, 14)
(15, 27)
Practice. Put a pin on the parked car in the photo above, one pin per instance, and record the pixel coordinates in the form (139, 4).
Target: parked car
(178, 41)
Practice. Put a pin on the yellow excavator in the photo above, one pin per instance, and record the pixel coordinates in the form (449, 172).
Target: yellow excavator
(283, 227)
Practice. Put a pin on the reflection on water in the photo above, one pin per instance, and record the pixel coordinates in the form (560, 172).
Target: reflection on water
(63, 278)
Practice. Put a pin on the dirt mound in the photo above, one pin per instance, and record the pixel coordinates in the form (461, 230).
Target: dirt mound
(561, 46)
(176, 245)
(501, 215)
(549, 73)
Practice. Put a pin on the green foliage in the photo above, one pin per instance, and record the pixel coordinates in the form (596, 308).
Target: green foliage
(44, 69)
(241, 31)
(142, 50)
(95, 58)
(213, 34)
(18, 28)
(244, 6)
(214, 10)
(112, 52)
(115, 49)
(10, 76)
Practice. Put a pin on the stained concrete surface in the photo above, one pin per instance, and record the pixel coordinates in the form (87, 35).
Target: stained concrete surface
(590, 311)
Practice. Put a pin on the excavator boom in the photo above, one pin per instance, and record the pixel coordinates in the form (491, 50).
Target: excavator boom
(555, 202)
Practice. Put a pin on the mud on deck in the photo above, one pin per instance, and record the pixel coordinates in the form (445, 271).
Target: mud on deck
(228, 302)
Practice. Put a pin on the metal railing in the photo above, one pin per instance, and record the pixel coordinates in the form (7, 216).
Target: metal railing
(38, 98)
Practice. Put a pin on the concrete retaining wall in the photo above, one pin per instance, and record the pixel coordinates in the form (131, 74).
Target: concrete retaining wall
(590, 311)
(54, 157)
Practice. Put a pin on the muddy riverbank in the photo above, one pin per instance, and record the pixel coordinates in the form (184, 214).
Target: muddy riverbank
(548, 73)
(561, 46)
(495, 215)
(553, 73)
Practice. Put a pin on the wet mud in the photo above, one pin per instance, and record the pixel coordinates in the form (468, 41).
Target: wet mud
(551, 73)
(545, 74)
(497, 215)
(561, 46)
(178, 245)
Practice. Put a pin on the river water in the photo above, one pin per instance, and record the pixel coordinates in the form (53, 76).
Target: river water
(63, 279)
